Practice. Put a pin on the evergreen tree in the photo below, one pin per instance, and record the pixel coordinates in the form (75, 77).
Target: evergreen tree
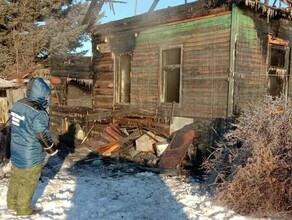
(31, 30)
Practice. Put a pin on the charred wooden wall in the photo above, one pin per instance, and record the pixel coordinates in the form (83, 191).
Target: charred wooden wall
(205, 65)
(224, 59)
(250, 61)
(64, 68)
(205, 45)
(71, 67)
(283, 29)
(103, 68)
(251, 54)
(122, 36)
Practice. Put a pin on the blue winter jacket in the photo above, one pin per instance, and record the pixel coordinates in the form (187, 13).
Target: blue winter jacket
(29, 120)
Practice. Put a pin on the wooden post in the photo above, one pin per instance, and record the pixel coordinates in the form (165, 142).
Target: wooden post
(233, 38)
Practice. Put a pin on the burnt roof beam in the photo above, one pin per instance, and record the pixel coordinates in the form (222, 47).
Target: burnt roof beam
(288, 2)
(154, 4)
(94, 5)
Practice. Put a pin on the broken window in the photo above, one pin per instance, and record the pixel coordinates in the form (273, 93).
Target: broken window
(171, 74)
(278, 67)
(123, 78)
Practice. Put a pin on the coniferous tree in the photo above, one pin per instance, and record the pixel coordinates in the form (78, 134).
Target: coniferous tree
(31, 30)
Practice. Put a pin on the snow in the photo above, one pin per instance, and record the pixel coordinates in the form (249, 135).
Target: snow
(114, 191)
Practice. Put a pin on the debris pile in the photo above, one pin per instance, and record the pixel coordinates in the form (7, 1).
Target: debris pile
(142, 144)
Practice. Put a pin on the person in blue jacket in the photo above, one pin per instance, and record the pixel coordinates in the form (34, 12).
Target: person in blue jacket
(30, 141)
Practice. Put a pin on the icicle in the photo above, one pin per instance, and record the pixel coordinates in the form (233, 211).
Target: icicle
(86, 82)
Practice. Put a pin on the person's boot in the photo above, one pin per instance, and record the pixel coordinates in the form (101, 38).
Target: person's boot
(35, 211)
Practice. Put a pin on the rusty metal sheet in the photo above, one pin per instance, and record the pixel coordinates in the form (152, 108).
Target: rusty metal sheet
(177, 149)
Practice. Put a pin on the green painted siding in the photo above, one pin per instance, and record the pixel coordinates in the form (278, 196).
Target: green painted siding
(250, 67)
(197, 27)
(251, 56)
(205, 60)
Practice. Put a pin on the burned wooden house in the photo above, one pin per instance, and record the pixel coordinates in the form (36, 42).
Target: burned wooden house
(198, 61)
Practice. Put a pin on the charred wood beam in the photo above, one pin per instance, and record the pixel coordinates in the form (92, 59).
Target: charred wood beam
(58, 120)
(145, 123)
(173, 14)
(69, 60)
(115, 141)
(98, 116)
(71, 74)
(69, 110)
(93, 10)
(154, 4)
(79, 67)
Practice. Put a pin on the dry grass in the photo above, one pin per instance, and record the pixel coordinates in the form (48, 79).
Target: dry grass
(252, 169)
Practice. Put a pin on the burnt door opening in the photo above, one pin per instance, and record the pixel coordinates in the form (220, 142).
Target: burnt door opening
(278, 69)
(123, 78)
(170, 75)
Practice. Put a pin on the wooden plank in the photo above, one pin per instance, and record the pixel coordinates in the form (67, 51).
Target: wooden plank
(108, 149)
(174, 14)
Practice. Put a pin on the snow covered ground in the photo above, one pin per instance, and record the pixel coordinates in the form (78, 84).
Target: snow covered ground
(115, 191)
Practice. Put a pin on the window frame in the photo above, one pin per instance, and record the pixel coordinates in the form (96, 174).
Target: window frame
(162, 72)
(278, 74)
(118, 79)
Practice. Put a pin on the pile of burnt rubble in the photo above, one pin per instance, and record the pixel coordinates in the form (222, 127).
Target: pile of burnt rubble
(141, 145)
(138, 144)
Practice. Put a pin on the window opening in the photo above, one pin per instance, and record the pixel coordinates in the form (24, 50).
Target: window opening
(278, 67)
(278, 56)
(123, 78)
(171, 75)
(79, 93)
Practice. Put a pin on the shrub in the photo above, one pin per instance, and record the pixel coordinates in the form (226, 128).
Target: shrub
(251, 169)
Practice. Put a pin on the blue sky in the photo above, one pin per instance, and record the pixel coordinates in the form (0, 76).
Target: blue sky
(123, 10)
